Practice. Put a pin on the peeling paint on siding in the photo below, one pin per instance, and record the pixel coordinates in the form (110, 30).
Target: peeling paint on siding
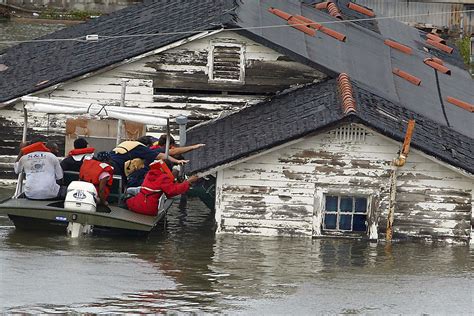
(432, 200)
(175, 81)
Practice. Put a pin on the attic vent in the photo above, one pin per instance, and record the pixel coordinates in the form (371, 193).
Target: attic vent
(350, 133)
(3, 67)
(226, 62)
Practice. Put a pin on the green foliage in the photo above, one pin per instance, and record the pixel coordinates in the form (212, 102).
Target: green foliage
(463, 45)
(55, 14)
(83, 15)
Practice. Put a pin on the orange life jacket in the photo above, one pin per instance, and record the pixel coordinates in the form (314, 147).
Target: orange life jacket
(81, 151)
(91, 170)
(38, 146)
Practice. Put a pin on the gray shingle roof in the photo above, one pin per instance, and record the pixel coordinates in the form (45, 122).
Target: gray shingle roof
(366, 59)
(363, 56)
(316, 108)
(55, 62)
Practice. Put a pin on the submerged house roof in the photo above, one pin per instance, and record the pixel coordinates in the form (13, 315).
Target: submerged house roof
(315, 108)
(406, 70)
(32, 66)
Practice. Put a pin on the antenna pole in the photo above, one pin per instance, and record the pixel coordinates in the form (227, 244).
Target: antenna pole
(167, 152)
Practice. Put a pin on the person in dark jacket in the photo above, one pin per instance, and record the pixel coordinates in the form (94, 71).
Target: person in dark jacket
(73, 161)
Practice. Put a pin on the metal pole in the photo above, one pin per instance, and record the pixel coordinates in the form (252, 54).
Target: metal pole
(122, 103)
(25, 124)
(167, 152)
(392, 202)
(19, 182)
(397, 163)
(182, 120)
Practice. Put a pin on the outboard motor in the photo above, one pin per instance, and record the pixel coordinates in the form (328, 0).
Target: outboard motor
(81, 196)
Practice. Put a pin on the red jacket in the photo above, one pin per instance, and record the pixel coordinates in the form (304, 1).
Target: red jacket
(146, 201)
(91, 170)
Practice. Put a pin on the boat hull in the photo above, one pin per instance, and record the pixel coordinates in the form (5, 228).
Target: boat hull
(52, 216)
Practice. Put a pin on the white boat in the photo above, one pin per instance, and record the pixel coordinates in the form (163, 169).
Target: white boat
(71, 216)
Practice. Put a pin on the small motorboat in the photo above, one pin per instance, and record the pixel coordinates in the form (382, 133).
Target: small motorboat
(79, 214)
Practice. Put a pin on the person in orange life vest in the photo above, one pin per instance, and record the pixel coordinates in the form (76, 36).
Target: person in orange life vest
(175, 150)
(42, 170)
(73, 161)
(100, 173)
(157, 181)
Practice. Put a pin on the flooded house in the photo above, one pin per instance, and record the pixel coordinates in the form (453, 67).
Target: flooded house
(315, 125)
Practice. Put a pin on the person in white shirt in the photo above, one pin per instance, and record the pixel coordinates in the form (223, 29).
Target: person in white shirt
(43, 172)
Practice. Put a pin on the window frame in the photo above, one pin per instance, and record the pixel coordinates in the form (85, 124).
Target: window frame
(212, 46)
(340, 213)
(373, 200)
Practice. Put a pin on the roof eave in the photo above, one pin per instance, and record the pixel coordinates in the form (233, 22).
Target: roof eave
(274, 146)
(424, 148)
(55, 84)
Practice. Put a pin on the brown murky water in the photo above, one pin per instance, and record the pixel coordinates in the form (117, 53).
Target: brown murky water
(187, 268)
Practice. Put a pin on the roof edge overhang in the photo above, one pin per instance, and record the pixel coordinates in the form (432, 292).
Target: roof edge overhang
(273, 147)
(426, 150)
(350, 118)
(55, 84)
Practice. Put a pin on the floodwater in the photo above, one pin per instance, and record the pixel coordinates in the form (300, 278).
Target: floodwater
(188, 269)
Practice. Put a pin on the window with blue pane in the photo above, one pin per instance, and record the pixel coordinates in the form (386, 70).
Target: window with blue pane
(345, 213)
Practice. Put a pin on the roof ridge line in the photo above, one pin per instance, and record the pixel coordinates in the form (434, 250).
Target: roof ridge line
(346, 92)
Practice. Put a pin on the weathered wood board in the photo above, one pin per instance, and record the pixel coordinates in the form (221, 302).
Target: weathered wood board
(281, 192)
(175, 80)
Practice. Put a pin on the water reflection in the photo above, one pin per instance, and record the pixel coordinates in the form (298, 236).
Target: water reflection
(186, 268)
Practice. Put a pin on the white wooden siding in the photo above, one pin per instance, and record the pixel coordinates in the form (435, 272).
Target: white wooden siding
(280, 192)
(186, 67)
(182, 67)
(426, 12)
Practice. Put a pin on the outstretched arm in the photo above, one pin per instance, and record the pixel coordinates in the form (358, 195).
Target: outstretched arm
(184, 149)
(171, 188)
(172, 159)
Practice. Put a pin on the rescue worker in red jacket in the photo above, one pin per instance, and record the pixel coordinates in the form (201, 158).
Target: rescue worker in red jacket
(98, 172)
(157, 181)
